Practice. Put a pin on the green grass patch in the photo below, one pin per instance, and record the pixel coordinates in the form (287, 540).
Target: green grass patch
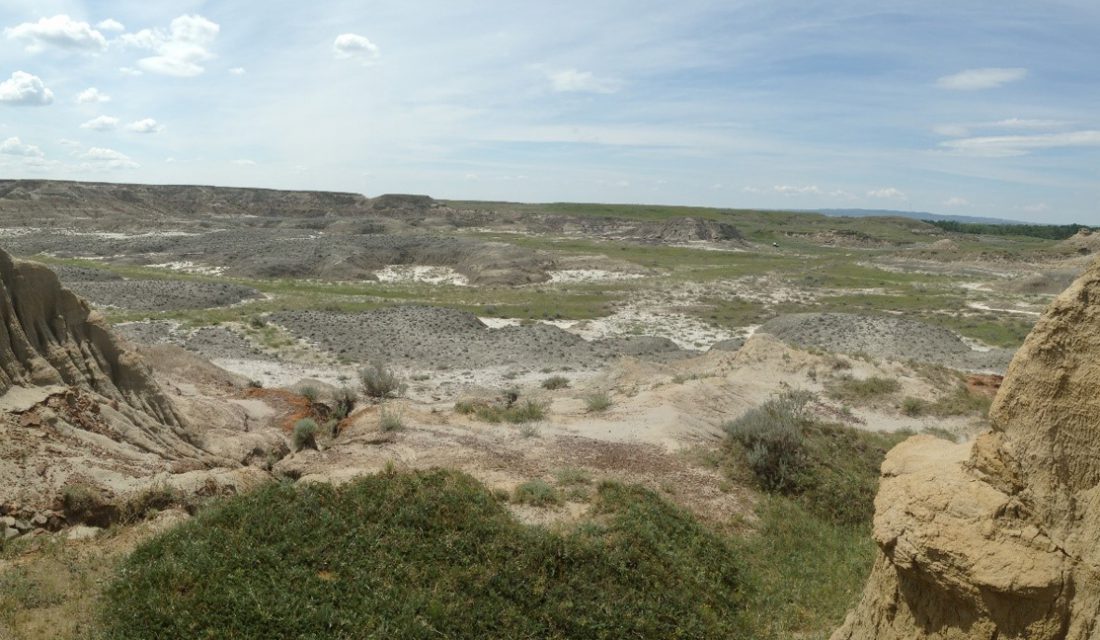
(422, 555)
(850, 389)
(831, 469)
(497, 412)
(537, 493)
(597, 402)
(806, 572)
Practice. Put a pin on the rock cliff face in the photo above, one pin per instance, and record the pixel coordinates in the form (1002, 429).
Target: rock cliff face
(77, 405)
(48, 336)
(1000, 538)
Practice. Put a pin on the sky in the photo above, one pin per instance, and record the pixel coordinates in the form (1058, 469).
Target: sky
(962, 107)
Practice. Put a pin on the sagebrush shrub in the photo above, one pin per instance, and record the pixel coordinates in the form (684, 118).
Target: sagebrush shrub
(379, 381)
(772, 438)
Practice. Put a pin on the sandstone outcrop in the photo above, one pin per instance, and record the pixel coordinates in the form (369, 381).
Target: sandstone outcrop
(1000, 538)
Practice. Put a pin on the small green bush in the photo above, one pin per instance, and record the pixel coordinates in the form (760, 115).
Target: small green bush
(597, 402)
(390, 420)
(379, 381)
(771, 436)
(555, 382)
(310, 394)
(304, 434)
(537, 493)
(851, 389)
(914, 407)
(344, 402)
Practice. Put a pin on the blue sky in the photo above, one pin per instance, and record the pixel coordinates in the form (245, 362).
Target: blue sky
(960, 107)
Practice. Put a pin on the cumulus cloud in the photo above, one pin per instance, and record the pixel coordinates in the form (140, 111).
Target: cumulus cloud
(26, 90)
(1005, 146)
(59, 31)
(354, 46)
(16, 147)
(886, 193)
(91, 95)
(574, 81)
(976, 79)
(956, 201)
(110, 24)
(145, 125)
(101, 123)
(180, 51)
(102, 158)
(237, 71)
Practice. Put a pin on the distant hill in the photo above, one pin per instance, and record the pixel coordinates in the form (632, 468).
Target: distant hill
(916, 215)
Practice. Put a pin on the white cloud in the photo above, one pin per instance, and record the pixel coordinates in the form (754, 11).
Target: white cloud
(110, 24)
(352, 45)
(180, 50)
(951, 130)
(976, 79)
(573, 81)
(1005, 146)
(101, 123)
(245, 162)
(787, 189)
(887, 193)
(956, 201)
(799, 190)
(92, 95)
(66, 142)
(145, 125)
(237, 71)
(1025, 123)
(101, 158)
(130, 71)
(16, 147)
(59, 31)
(24, 89)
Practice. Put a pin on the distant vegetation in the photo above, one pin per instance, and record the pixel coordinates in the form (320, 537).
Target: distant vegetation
(1046, 231)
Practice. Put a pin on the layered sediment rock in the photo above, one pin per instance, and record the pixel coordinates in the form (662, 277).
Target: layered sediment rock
(48, 336)
(77, 405)
(1000, 538)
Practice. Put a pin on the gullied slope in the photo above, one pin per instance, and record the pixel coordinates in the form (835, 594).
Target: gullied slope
(1000, 538)
(48, 336)
(77, 405)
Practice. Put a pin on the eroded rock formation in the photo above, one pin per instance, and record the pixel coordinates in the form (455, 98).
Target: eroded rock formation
(1000, 538)
(77, 405)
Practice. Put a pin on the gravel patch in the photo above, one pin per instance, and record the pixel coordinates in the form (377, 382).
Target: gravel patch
(210, 342)
(161, 295)
(438, 338)
(884, 337)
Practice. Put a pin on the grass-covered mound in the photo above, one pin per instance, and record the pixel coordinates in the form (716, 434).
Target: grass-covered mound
(426, 555)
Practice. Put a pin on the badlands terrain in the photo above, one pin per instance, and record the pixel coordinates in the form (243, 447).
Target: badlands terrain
(166, 348)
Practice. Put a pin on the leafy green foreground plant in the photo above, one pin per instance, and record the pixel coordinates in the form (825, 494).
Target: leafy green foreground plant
(423, 555)
(832, 469)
